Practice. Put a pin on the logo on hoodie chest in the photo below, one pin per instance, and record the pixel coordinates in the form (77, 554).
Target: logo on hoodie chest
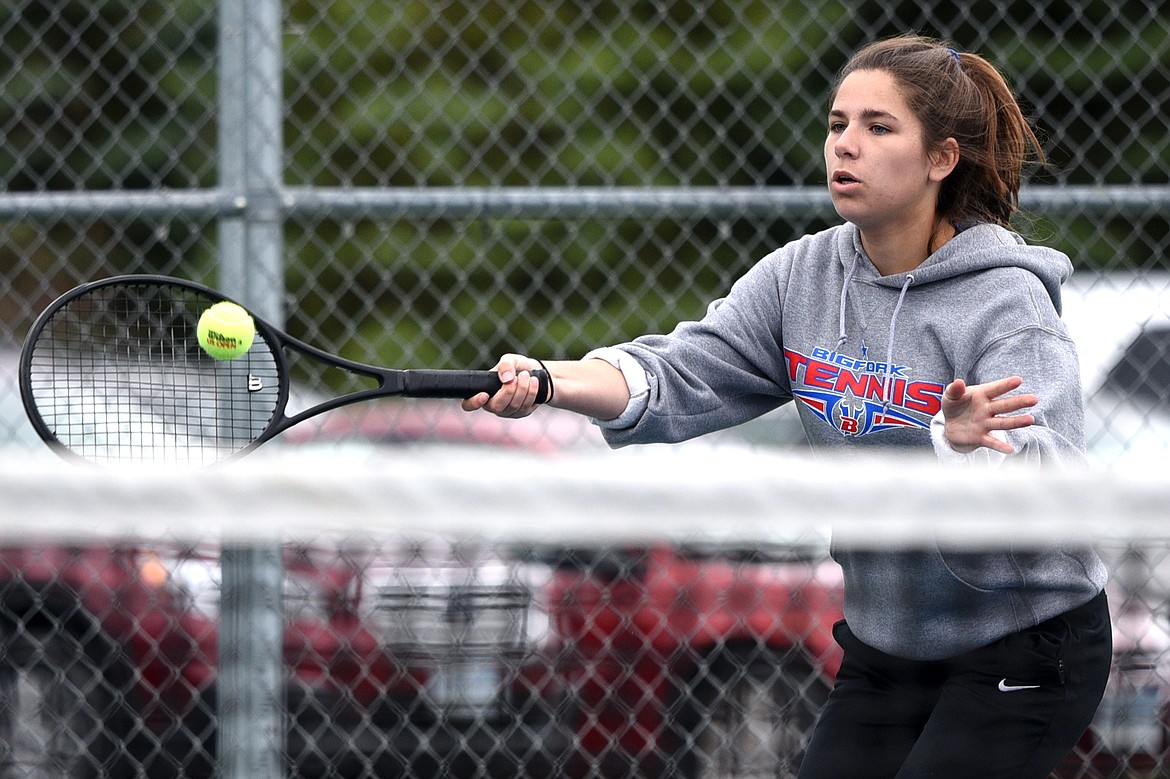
(861, 396)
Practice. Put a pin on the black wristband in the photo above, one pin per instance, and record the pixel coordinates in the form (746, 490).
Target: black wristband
(550, 381)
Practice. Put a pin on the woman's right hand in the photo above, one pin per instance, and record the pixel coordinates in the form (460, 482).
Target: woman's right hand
(517, 396)
(590, 387)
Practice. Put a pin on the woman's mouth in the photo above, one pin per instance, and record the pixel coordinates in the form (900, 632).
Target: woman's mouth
(843, 181)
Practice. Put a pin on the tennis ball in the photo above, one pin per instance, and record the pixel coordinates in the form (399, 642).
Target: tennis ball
(225, 331)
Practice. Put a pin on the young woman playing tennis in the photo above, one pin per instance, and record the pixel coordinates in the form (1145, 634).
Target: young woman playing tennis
(922, 321)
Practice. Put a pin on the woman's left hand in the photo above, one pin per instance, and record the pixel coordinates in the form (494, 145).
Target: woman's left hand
(973, 412)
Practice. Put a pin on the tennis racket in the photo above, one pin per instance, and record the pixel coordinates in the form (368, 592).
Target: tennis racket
(112, 372)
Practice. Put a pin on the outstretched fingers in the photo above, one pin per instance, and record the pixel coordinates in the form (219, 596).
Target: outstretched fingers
(973, 413)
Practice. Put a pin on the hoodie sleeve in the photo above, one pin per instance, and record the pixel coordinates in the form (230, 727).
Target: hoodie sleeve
(713, 373)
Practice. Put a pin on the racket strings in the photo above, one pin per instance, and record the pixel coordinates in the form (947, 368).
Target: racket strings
(117, 375)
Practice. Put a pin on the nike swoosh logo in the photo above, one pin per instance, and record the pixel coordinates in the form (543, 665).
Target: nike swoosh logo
(1005, 687)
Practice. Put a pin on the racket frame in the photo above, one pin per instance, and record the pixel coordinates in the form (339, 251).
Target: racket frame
(389, 382)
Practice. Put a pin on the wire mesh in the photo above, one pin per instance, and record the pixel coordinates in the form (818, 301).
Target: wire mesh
(483, 152)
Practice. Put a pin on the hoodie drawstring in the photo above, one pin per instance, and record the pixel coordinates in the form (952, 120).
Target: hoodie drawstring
(888, 384)
(842, 334)
(845, 296)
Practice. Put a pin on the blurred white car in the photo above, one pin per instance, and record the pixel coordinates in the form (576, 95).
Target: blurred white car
(1121, 325)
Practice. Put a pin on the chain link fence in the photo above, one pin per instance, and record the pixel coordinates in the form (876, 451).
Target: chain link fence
(449, 181)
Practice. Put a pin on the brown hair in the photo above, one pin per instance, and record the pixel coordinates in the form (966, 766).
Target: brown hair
(960, 96)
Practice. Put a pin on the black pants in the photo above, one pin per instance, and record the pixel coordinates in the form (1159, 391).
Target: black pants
(1010, 710)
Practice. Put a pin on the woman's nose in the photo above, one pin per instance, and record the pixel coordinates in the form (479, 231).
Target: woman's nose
(844, 146)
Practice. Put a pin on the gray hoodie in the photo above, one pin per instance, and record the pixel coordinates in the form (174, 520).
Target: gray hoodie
(867, 357)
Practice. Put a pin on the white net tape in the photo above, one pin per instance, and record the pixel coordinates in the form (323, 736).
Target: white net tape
(716, 494)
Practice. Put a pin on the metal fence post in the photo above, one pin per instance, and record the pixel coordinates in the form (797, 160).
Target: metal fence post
(251, 731)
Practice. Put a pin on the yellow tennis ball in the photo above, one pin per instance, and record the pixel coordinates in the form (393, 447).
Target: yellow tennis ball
(225, 331)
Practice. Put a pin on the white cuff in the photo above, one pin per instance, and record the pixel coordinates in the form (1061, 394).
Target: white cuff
(637, 382)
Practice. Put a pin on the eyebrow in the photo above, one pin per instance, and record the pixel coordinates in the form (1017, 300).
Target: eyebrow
(867, 114)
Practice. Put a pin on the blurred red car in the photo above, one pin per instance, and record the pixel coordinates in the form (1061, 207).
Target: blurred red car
(694, 662)
(404, 663)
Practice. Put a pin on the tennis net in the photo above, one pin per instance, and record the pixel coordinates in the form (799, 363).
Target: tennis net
(489, 611)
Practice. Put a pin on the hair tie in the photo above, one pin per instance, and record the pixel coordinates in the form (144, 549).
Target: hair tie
(955, 54)
(549, 397)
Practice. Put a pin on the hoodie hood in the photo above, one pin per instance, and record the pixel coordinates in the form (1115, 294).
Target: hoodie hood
(974, 248)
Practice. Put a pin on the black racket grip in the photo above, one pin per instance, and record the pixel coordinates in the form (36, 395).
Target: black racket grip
(463, 384)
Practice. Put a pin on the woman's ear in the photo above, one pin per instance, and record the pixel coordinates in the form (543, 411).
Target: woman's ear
(944, 159)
